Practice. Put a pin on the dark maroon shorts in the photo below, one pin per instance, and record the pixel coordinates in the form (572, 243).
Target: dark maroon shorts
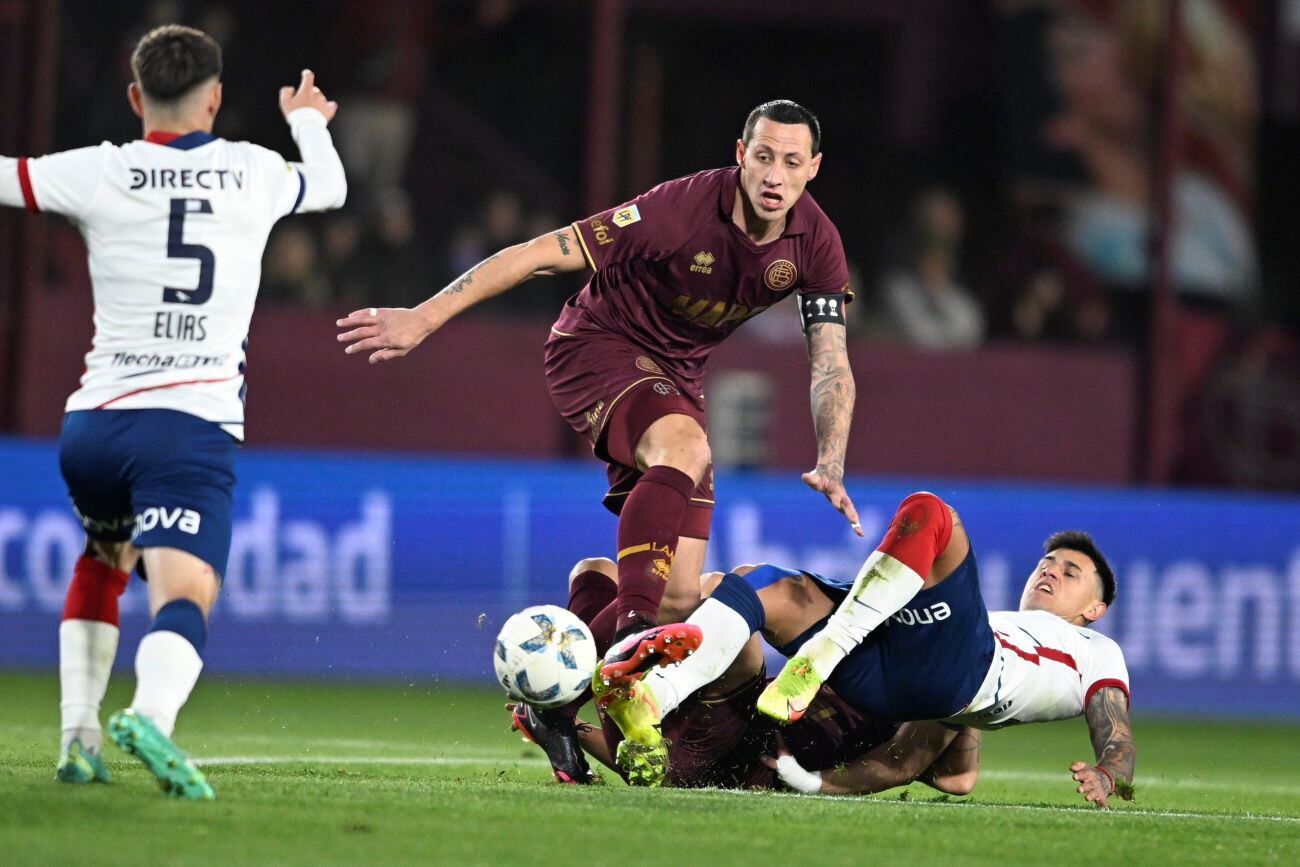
(719, 742)
(611, 392)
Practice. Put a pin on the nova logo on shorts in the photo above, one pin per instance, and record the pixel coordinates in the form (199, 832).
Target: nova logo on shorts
(185, 520)
(930, 614)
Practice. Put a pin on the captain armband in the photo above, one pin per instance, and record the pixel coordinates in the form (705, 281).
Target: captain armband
(816, 309)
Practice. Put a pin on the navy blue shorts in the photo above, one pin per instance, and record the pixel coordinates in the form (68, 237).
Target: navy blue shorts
(926, 662)
(156, 477)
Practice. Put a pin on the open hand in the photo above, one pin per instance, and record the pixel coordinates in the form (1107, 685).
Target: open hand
(385, 332)
(308, 95)
(1094, 784)
(823, 480)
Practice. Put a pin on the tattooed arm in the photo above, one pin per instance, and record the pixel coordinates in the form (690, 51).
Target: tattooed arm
(832, 407)
(1112, 741)
(915, 750)
(389, 333)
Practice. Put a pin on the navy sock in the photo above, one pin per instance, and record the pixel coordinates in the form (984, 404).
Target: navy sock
(185, 619)
(736, 593)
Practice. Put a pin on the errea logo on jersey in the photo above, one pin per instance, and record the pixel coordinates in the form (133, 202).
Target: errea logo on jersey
(703, 262)
(185, 520)
(930, 614)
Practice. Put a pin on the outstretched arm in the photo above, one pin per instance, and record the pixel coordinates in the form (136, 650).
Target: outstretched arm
(902, 759)
(833, 394)
(389, 333)
(307, 111)
(1112, 742)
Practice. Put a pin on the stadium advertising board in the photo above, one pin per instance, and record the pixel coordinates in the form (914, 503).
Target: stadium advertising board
(350, 565)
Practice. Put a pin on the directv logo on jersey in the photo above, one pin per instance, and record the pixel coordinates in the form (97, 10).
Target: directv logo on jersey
(185, 520)
(186, 179)
(932, 614)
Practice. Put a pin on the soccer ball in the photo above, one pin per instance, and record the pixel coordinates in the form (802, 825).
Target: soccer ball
(544, 656)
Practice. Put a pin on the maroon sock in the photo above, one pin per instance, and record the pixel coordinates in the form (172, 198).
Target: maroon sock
(647, 541)
(591, 597)
(589, 593)
(603, 626)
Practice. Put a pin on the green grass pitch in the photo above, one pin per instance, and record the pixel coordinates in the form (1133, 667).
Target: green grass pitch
(323, 773)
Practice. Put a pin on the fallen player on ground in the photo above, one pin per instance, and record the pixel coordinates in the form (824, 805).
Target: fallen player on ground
(908, 640)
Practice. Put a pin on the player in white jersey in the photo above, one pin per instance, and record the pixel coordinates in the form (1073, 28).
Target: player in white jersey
(928, 654)
(175, 225)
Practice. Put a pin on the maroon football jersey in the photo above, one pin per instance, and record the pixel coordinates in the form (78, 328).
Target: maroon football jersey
(674, 275)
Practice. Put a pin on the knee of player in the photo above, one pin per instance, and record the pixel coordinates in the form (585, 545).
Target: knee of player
(787, 597)
(745, 568)
(119, 555)
(696, 456)
(958, 784)
(924, 502)
(603, 565)
(683, 446)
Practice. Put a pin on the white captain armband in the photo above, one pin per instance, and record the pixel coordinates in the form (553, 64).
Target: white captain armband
(816, 309)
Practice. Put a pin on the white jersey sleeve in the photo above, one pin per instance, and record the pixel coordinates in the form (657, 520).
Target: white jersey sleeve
(318, 182)
(1103, 667)
(1043, 669)
(65, 183)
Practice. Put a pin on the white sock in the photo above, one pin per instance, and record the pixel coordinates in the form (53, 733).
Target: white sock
(166, 669)
(725, 633)
(883, 586)
(87, 649)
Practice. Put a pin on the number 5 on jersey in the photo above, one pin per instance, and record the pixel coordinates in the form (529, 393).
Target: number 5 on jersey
(178, 249)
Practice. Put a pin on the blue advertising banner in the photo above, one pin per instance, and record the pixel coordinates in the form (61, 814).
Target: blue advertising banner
(369, 565)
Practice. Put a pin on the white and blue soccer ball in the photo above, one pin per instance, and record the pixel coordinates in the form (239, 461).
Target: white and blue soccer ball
(544, 656)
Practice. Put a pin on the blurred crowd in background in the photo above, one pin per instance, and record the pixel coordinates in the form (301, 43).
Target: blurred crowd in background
(990, 165)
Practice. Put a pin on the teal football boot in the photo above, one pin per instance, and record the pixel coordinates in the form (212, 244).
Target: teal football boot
(177, 775)
(80, 766)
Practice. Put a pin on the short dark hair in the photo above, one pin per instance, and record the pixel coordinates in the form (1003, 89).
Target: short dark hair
(784, 111)
(169, 61)
(1077, 540)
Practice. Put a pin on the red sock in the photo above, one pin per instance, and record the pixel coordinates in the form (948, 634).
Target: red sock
(647, 541)
(920, 531)
(94, 590)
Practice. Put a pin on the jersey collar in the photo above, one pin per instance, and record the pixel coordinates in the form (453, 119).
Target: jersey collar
(185, 142)
(794, 222)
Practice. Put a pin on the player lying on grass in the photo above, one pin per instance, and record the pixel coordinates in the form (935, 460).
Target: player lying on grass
(175, 225)
(716, 738)
(909, 639)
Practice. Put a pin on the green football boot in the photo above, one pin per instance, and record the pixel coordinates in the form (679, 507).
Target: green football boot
(177, 775)
(80, 766)
(786, 698)
(643, 753)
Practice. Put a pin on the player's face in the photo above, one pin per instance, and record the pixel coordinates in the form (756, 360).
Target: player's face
(776, 166)
(1064, 583)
